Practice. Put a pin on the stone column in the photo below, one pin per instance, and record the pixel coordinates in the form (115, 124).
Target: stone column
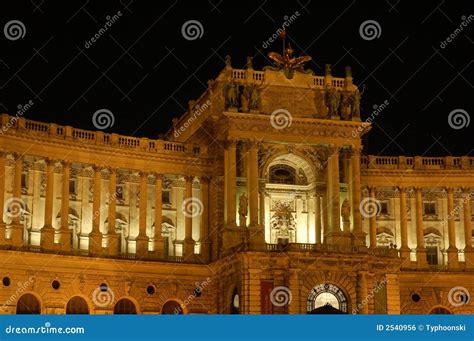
(230, 182)
(256, 234)
(159, 246)
(48, 232)
(2, 198)
(362, 303)
(373, 220)
(317, 217)
(453, 261)
(420, 241)
(16, 227)
(468, 249)
(404, 249)
(188, 210)
(205, 244)
(142, 238)
(360, 236)
(95, 237)
(333, 234)
(112, 236)
(65, 233)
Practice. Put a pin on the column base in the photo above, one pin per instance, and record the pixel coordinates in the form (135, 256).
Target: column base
(65, 240)
(47, 238)
(141, 246)
(95, 244)
(159, 247)
(205, 251)
(3, 230)
(453, 259)
(232, 236)
(16, 235)
(188, 248)
(113, 247)
(469, 258)
(338, 238)
(405, 256)
(255, 235)
(421, 262)
(359, 238)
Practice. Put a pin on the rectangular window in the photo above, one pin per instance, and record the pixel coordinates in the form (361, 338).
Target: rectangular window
(383, 207)
(119, 192)
(165, 197)
(24, 180)
(432, 255)
(72, 186)
(429, 208)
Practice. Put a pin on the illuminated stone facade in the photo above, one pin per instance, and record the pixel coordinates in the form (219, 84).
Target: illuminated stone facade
(264, 201)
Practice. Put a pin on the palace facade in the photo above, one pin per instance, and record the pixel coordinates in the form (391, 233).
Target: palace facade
(258, 201)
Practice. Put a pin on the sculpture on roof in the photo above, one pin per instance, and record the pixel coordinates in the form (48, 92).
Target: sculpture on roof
(285, 61)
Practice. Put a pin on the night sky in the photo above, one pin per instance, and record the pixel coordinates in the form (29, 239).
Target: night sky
(144, 71)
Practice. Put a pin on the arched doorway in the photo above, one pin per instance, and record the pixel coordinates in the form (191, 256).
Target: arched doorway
(172, 307)
(28, 304)
(235, 302)
(125, 306)
(440, 310)
(327, 298)
(77, 305)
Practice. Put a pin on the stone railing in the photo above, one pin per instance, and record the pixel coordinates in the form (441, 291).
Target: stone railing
(313, 248)
(14, 125)
(417, 162)
(318, 81)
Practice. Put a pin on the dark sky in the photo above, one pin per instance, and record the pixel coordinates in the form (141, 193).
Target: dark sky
(144, 70)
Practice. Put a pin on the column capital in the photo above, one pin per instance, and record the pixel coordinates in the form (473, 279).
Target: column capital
(158, 176)
(449, 189)
(50, 162)
(188, 178)
(143, 174)
(97, 168)
(206, 178)
(466, 189)
(66, 163)
(230, 143)
(402, 189)
(112, 170)
(418, 189)
(333, 149)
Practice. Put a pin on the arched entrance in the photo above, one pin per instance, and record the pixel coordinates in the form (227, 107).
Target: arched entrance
(327, 298)
(235, 302)
(172, 307)
(440, 310)
(77, 305)
(28, 304)
(125, 306)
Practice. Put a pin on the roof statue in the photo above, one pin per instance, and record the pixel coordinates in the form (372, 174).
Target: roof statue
(286, 62)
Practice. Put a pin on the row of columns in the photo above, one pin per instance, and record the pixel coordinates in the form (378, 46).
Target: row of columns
(95, 237)
(452, 250)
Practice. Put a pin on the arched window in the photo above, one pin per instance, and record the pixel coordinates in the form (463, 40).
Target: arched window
(235, 303)
(440, 310)
(327, 299)
(125, 306)
(282, 174)
(172, 307)
(77, 305)
(28, 304)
